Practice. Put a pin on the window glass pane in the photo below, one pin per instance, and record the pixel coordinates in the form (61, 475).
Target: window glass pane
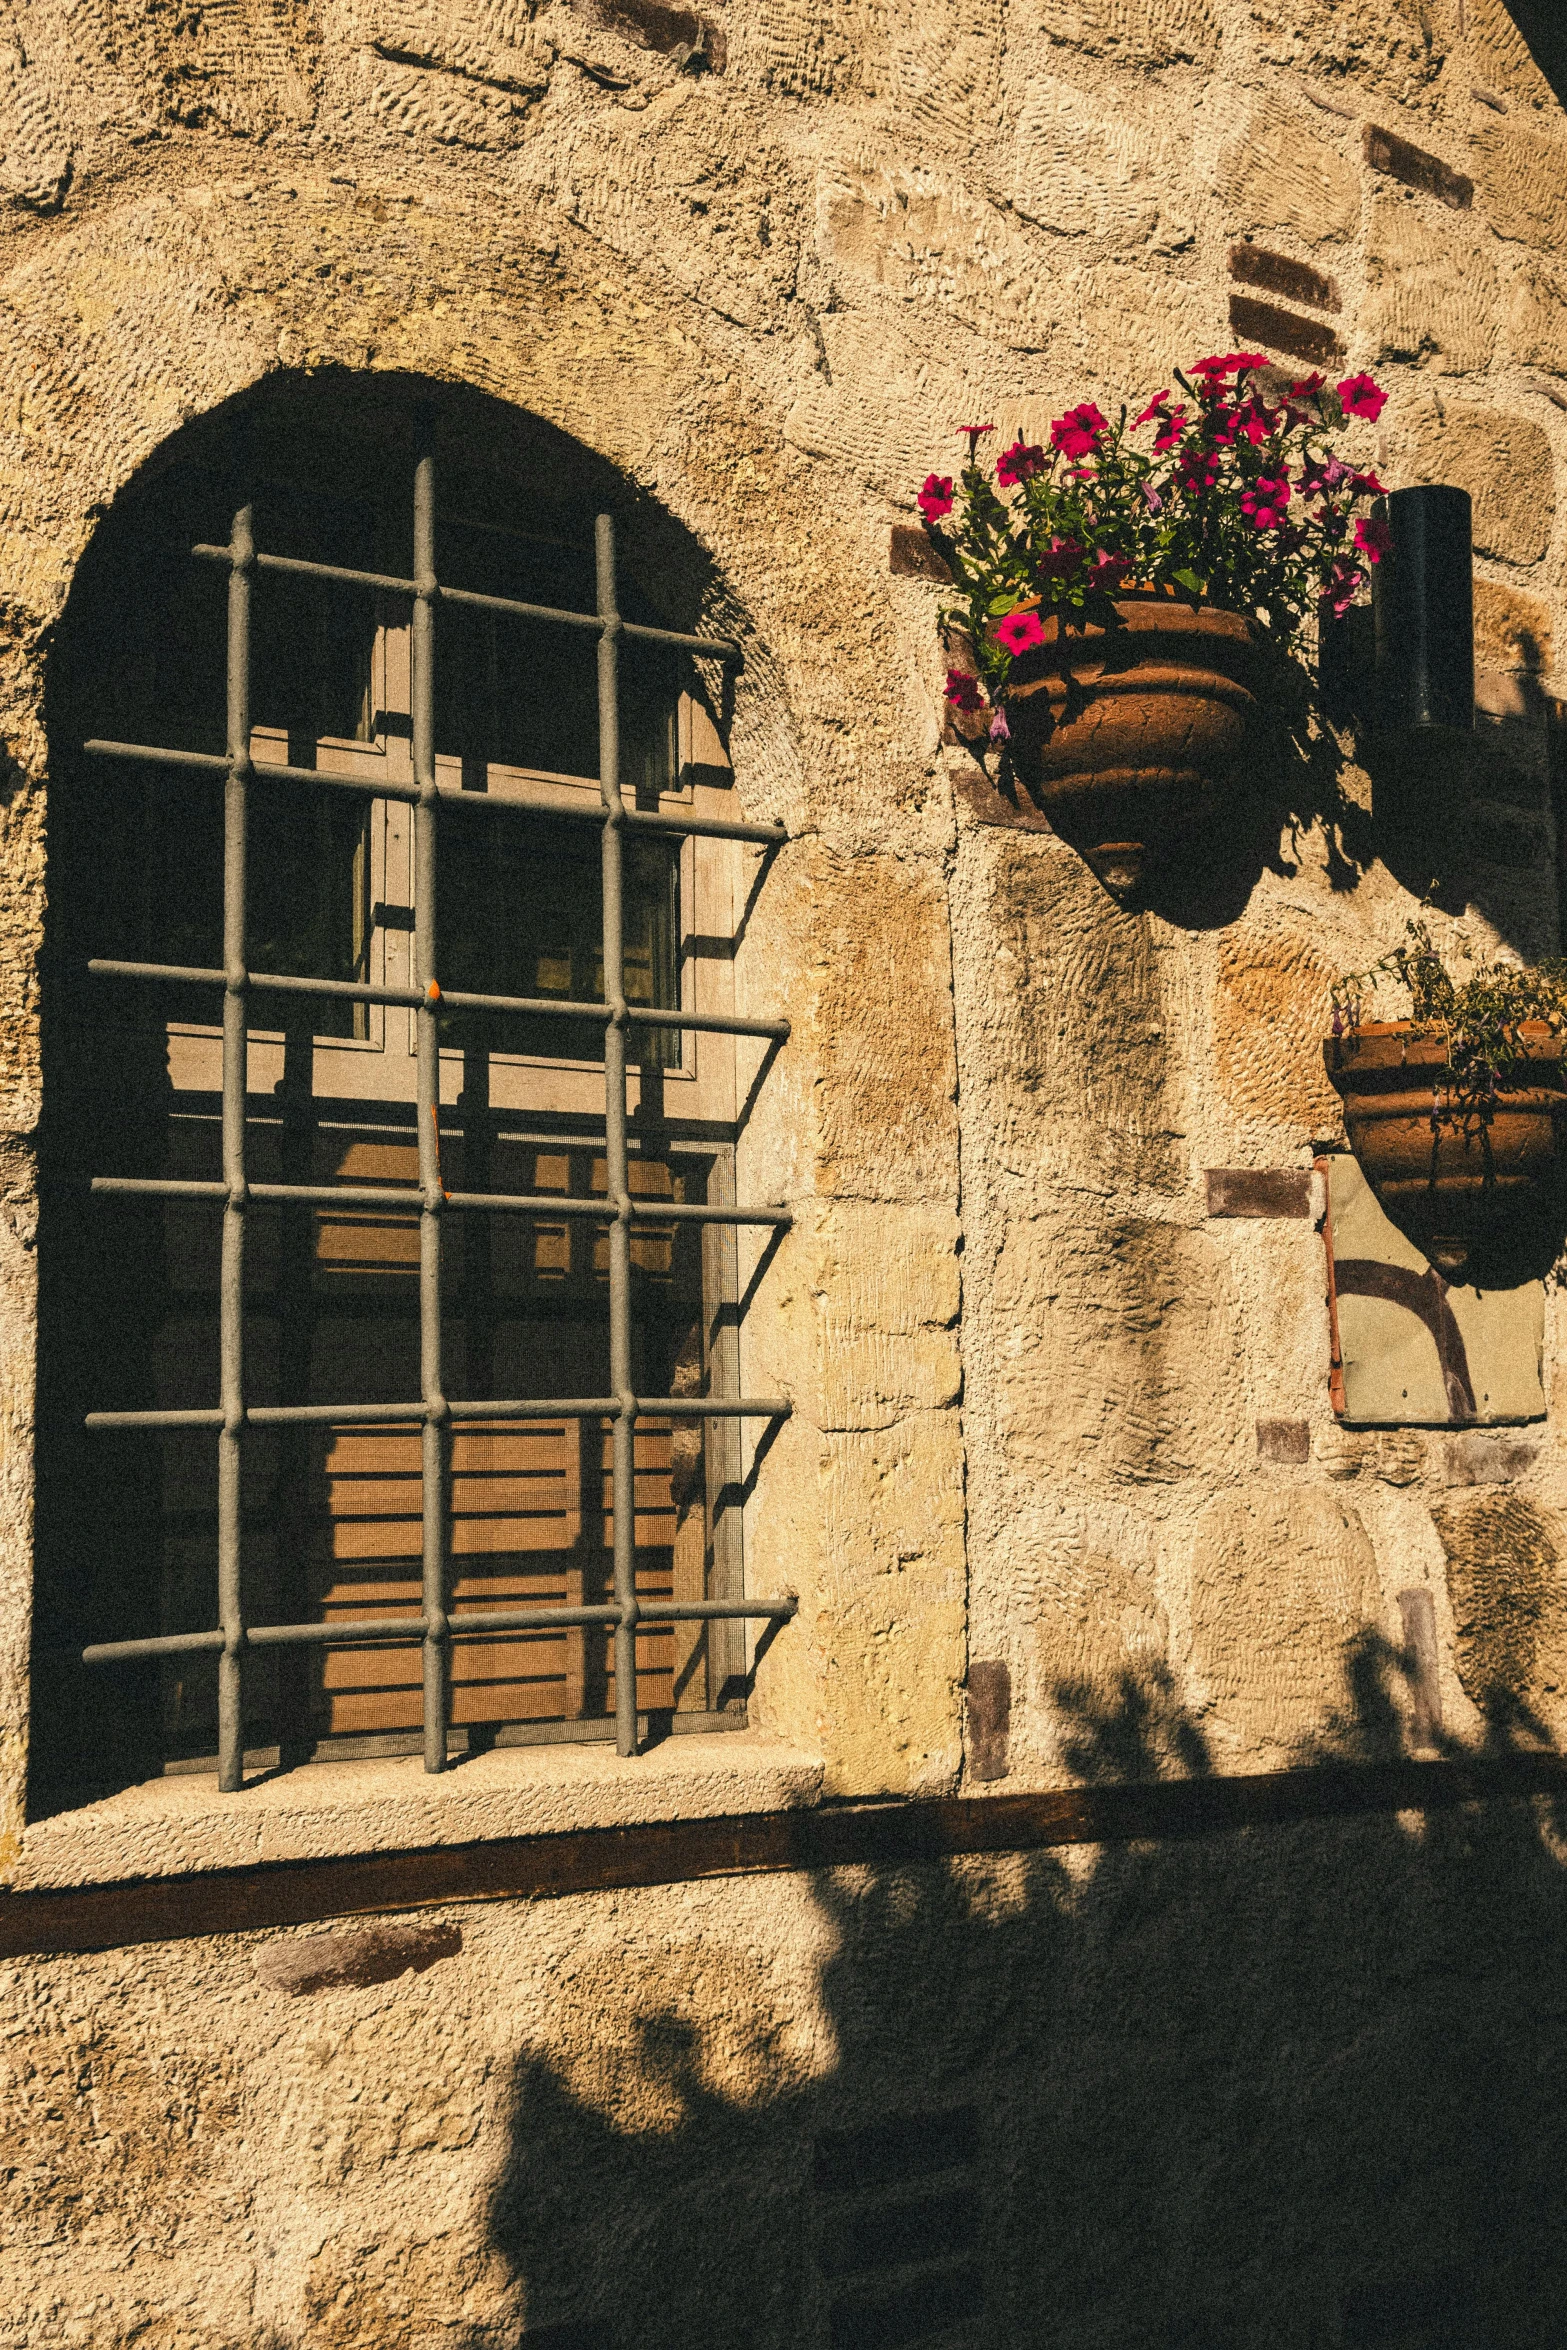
(515, 693)
(521, 914)
(311, 640)
(307, 877)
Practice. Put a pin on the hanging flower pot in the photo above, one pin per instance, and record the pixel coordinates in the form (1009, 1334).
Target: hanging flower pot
(1458, 1117)
(1123, 730)
(1114, 597)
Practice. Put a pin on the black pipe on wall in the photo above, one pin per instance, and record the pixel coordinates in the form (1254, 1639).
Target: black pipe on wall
(1423, 601)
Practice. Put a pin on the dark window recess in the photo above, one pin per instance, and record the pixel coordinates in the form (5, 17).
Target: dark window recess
(900, 2195)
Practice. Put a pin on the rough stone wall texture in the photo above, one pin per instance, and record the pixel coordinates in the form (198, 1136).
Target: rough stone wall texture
(1028, 1365)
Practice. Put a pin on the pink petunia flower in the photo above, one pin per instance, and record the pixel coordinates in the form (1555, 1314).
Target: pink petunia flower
(1106, 573)
(1156, 407)
(1169, 431)
(1000, 732)
(1019, 463)
(1076, 434)
(935, 499)
(1264, 502)
(963, 691)
(1373, 537)
(1362, 397)
(1366, 485)
(1307, 388)
(1019, 631)
(974, 434)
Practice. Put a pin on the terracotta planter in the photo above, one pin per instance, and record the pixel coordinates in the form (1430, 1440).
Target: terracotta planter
(1447, 1177)
(1122, 733)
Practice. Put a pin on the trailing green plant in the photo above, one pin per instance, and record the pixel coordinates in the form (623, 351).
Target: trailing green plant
(1481, 1017)
(1236, 501)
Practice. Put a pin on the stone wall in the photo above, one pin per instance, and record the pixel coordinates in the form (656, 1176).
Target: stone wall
(763, 259)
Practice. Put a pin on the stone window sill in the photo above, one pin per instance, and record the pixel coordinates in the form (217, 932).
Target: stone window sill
(182, 1826)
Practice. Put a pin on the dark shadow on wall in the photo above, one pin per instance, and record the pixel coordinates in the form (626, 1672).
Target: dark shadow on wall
(1282, 2089)
(1542, 25)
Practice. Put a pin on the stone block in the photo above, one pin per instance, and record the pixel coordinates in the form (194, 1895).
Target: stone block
(1270, 1017)
(1284, 1591)
(1082, 173)
(1259, 1191)
(1122, 1348)
(989, 1718)
(1521, 179)
(921, 237)
(1483, 1456)
(1276, 173)
(1431, 286)
(1065, 1007)
(1505, 464)
(872, 1013)
(1536, 317)
(1142, 319)
(1286, 1442)
(1102, 1640)
(1509, 1595)
(914, 554)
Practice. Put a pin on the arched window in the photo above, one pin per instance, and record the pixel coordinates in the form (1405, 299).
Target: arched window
(389, 1368)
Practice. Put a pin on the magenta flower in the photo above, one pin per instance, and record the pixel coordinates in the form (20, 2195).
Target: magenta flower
(1264, 503)
(1338, 591)
(1156, 407)
(1366, 485)
(1061, 559)
(935, 499)
(1019, 463)
(1307, 388)
(1169, 431)
(974, 433)
(1106, 573)
(1019, 631)
(1373, 537)
(963, 691)
(1076, 434)
(1214, 371)
(1316, 480)
(1362, 397)
(1000, 732)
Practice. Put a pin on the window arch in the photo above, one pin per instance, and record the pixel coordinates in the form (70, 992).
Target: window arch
(388, 1340)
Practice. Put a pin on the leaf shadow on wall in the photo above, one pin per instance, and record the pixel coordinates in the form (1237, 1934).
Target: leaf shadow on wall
(1295, 2085)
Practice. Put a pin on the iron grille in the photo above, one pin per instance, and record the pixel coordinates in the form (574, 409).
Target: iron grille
(434, 1411)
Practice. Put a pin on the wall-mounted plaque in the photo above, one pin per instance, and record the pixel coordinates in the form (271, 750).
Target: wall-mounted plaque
(1413, 1350)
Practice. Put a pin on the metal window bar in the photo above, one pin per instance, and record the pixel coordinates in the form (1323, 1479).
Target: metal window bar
(434, 1413)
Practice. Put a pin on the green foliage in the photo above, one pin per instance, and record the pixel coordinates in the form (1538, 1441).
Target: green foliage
(1481, 1017)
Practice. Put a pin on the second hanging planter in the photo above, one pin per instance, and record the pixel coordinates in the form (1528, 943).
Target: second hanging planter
(1452, 1174)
